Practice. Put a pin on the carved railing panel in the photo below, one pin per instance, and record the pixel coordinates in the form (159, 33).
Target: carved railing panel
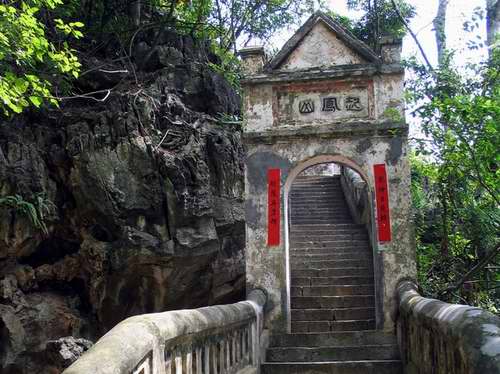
(221, 339)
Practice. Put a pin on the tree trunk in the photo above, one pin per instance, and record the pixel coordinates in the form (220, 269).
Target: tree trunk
(439, 26)
(135, 12)
(492, 21)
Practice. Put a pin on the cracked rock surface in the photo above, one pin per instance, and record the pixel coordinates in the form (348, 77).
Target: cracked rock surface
(144, 197)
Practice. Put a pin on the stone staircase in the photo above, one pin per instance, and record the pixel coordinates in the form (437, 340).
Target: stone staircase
(332, 291)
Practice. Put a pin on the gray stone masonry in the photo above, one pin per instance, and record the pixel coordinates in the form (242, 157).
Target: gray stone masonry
(327, 98)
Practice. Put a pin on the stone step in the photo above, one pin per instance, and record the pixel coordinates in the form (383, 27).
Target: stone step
(318, 178)
(333, 188)
(331, 281)
(332, 302)
(321, 208)
(325, 326)
(353, 255)
(333, 238)
(329, 227)
(317, 194)
(331, 367)
(337, 290)
(326, 251)
(324, 211)
(313, 208)
(333, 231)
(331, 264)
(342, 248)
(328, 236)
(310, 213)
(344, 217)
(331, 272)
(332, 339)
(322, 198)
(344, 213)
(341, 314)
(330, 244)
(322, 221)
(317, 202)
(318, 209)
(304, 186)
(322, 354)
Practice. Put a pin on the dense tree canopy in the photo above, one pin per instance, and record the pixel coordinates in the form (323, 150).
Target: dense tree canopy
(456, 177)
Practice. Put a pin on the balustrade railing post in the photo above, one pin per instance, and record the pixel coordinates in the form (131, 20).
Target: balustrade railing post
(206, 359)
(168, 362)
(214, 359)
(227, 347)
(254, 340)
(178, 361)
(198, 360)
(233, 344)
(189, 361)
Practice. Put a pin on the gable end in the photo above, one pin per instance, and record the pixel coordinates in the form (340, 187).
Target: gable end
(345, 36)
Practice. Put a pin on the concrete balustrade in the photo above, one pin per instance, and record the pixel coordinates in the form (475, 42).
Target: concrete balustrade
(223, 339)
(440, 338)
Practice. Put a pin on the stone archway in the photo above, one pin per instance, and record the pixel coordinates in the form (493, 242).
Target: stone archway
(345, 102)
(292, 176)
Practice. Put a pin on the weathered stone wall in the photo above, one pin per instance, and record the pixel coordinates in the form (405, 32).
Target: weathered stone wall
(356, 195)
(315, 103)
(147, 190)
(267, 266)
(440, 338)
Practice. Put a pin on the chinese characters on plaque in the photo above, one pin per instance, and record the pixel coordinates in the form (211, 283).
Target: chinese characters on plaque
(382, 199)
(273, 207)
(332, 104)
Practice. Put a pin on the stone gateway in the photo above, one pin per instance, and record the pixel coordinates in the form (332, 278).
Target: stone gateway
(326, 97)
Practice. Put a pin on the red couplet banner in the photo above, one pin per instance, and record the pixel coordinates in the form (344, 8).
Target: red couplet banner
(382, 197)
(273, 207)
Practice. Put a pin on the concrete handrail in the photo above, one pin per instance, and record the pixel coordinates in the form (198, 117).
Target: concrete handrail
(222, 338)
(441, 338)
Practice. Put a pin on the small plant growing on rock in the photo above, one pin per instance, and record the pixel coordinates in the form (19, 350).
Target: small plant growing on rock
(36, 211)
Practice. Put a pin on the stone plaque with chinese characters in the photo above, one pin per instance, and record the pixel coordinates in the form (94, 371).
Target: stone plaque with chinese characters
(323, 103)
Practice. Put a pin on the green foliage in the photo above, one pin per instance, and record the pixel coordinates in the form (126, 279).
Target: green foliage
(238, 21)
(36, 210)
(393, 114)
(379, 19)
(28, 59)
(229, 67)
(456, 179)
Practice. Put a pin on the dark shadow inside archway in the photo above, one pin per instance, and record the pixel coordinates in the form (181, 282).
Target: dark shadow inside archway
(330, 254)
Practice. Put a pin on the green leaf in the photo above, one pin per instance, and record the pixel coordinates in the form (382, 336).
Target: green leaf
(36, 101)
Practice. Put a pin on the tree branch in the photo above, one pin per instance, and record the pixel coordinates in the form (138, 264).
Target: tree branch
(479, 266)
(413, 35)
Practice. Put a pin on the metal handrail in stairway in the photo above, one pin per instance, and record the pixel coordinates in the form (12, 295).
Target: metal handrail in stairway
(216, 339)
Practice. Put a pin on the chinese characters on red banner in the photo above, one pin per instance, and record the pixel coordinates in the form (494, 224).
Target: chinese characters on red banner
(273, 207)
(382, 198)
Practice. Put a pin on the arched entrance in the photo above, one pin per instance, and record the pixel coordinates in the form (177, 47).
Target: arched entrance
(328, 214)
(307, 107)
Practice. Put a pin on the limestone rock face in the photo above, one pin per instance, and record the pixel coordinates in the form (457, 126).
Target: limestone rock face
(142, 198)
